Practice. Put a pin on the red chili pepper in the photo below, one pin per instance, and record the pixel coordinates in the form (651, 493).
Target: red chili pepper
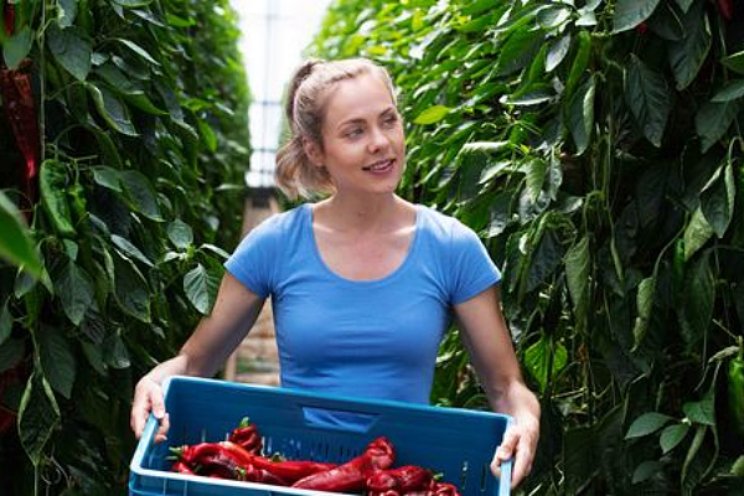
(18, 102)
(9, 15)
(403, 480)
(247, 436)
(182, 468)
(642, 28)
(288, 471)
(443, 489)
(219, 465)
(352, 476)
(726, 8)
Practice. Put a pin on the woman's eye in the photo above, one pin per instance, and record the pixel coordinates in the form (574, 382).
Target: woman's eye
(390, 120)
(354, 132)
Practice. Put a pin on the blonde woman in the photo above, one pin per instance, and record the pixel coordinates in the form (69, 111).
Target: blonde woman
(363, 283)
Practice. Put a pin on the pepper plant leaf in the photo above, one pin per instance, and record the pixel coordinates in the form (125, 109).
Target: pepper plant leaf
(16, 244)
(70, 50)
(38, 415)
(688, 56)
(717, 199)
(649, 99)
(630, 13)
(57, 359)
(646, 424)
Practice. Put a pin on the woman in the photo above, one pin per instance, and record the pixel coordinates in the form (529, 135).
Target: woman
(363, 283)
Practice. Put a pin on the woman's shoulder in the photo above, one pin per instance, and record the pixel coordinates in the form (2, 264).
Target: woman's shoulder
(442, 225)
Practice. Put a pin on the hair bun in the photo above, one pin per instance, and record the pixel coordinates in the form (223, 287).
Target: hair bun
(300, 75)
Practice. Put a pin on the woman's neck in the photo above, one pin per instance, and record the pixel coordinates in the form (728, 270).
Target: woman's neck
(379, 213)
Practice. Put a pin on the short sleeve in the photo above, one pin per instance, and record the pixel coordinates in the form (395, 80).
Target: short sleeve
(253, 262)
(472, 270)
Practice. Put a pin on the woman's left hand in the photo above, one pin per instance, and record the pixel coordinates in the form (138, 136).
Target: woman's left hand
(518, 445)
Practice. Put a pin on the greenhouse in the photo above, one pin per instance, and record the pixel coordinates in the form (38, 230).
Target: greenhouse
(385, 248)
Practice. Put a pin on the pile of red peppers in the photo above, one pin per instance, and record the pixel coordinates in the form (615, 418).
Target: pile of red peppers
(239, 458)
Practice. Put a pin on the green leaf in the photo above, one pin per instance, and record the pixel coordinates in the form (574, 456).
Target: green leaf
(38, 416)
(70, 50)
(717, 199)
(432, 115)
(733, 91)
(518, 50)
(735, 62)
(66, 12)
(697, 233)
(17, 47)
(132, 3)
(646, 424)
(116, 354)
(649, 99)
(630, 13)
(138, 50)
(113, 111)
(75, 290)
(537, 359)
(107, 177)
(672, 435)
(646, 470)
(11, 353)
(557, 52)
(644, 304)
(580, 62)
(180, 234)
(713, 120)
(129, 249)
(703, 411)
(688, 56)
(6, 323)
(208, 137)
(737, 469)
(578, 272)
(201, 288)
(696, 311)
(140, 193)
(16, 245)
(130, 289)
(57, 359)
(536, 171)
(685, 4)
(553, 16)
(581, 115)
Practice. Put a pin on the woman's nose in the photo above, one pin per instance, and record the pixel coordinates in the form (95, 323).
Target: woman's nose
(378, 140)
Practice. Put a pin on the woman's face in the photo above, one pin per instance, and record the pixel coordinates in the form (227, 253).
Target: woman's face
(363, 141)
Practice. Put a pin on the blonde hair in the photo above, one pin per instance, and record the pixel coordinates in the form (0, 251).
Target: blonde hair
(295, 174)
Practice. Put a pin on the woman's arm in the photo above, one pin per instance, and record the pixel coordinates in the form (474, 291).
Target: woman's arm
(485, 334)
(217, 335)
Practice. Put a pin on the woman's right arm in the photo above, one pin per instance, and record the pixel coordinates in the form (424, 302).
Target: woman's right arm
(216, 336)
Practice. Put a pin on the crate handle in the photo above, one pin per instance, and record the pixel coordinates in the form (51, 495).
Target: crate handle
(338, 420)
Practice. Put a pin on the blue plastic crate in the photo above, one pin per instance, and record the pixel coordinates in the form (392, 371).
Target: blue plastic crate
(459, 443)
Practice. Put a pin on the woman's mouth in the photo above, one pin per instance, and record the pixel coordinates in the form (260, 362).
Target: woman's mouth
(380, 167)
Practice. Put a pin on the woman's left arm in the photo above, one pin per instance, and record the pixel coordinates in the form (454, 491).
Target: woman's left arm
(485, 334)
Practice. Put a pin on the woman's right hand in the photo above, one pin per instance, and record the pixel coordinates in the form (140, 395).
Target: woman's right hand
(148, 397)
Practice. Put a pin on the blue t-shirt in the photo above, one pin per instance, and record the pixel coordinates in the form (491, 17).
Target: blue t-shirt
(374, 339)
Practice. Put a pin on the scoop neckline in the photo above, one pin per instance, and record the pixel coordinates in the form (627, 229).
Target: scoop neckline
(400, 269)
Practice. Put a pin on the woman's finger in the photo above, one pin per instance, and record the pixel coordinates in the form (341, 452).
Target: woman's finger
(522, 461)
(161, 435)
(506, 450)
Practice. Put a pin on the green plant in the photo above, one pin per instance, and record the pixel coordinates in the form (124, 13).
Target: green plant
(143, 111)
(596, 148)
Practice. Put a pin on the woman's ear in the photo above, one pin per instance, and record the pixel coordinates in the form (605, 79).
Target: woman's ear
(313, 152)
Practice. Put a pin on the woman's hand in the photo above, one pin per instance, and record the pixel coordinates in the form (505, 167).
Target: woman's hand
(487, 338)
(519, 445)
(148, 398)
